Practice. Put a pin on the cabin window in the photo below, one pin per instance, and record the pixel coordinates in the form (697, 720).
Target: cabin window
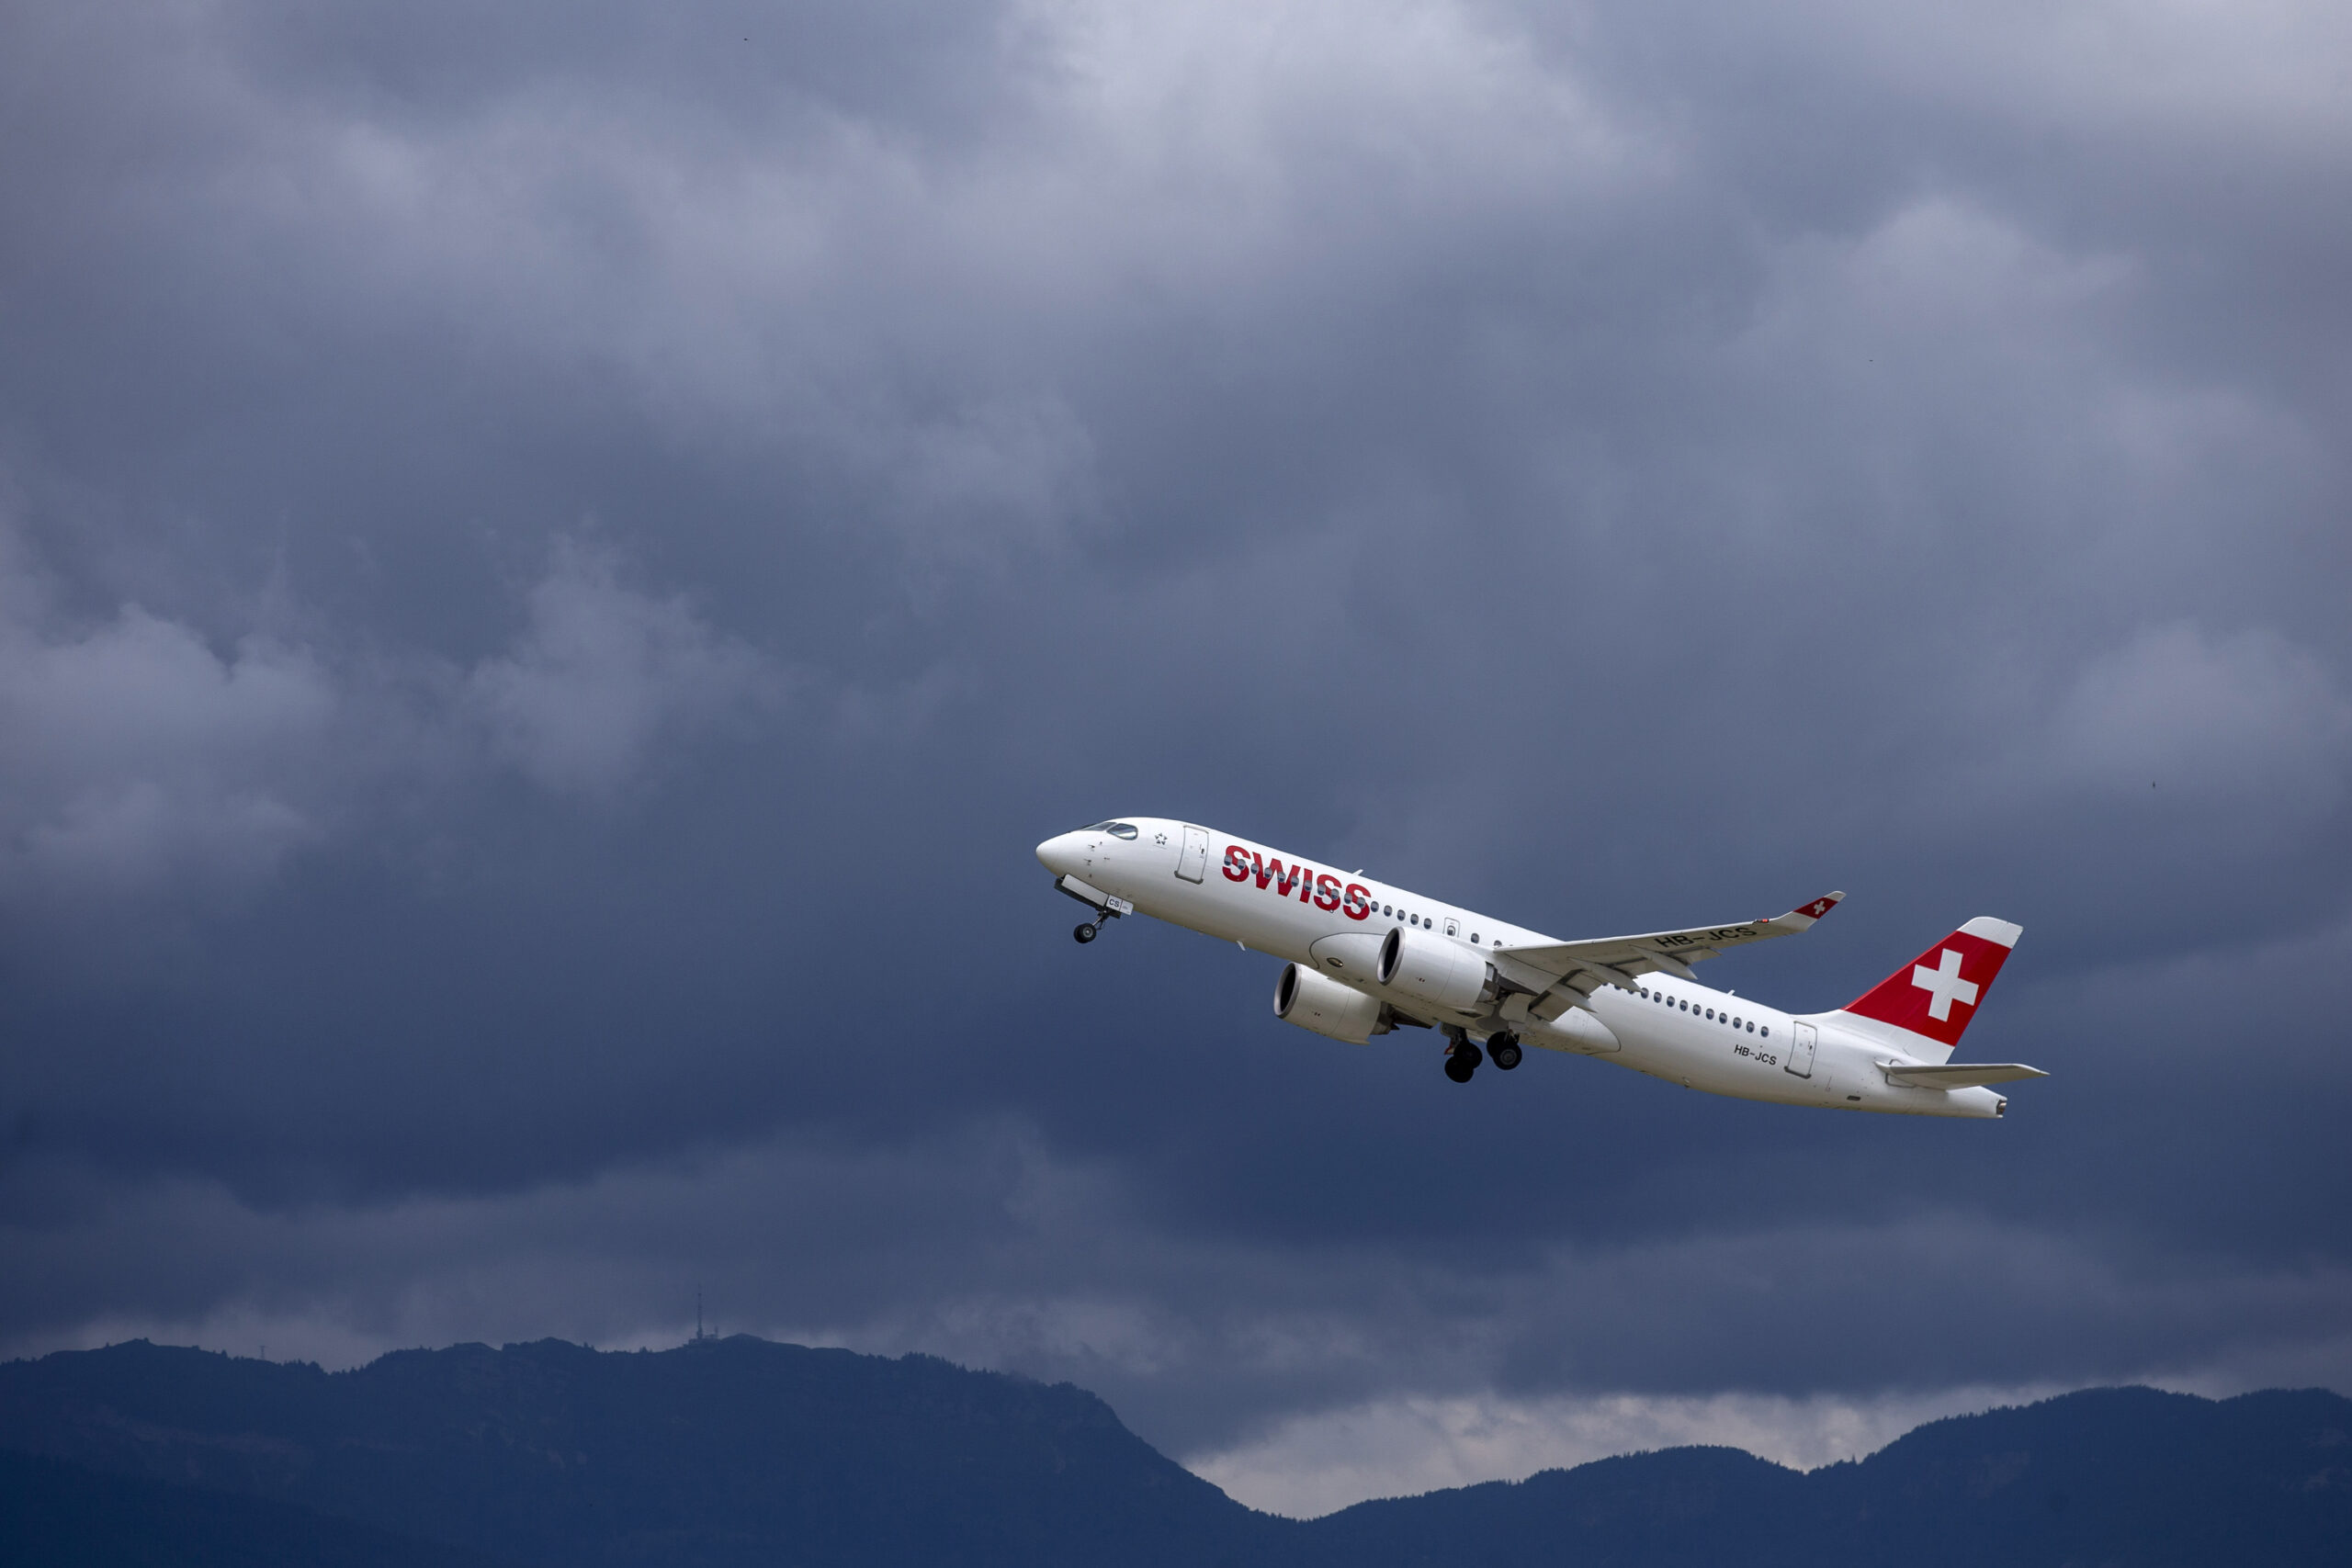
(1474, 936)
(1768, 1031)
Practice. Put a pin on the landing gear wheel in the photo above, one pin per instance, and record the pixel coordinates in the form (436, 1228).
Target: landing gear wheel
(1503, 1050)
(1087, 931)
(1462, 1059)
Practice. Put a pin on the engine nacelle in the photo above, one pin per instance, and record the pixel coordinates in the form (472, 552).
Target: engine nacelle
(1318, 1002)
(1434, 970)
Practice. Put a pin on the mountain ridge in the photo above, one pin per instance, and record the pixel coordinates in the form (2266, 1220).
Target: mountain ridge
(742, 1451)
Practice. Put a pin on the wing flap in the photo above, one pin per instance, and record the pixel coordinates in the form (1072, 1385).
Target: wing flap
(1962, 1075)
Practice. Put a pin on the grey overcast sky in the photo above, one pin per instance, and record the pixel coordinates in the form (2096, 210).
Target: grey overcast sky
(555, 561)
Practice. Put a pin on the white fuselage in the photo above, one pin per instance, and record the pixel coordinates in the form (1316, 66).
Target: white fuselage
(1333, 923)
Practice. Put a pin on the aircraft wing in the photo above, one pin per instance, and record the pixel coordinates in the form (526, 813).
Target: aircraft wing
(1583, 967)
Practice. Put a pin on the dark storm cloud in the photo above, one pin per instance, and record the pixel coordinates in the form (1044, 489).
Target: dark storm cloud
(554, 568)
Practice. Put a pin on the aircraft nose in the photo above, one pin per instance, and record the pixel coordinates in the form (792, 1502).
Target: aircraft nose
(1058, 855)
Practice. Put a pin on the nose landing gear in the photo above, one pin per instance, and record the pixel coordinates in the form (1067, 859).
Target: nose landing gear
(1105, 906)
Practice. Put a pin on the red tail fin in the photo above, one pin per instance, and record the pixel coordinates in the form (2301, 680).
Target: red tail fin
(1937, 995)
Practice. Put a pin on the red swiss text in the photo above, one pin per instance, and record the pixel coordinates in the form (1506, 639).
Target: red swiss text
(1320, 888)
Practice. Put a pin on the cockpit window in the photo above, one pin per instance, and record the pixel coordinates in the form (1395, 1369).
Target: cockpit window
(1116, 829)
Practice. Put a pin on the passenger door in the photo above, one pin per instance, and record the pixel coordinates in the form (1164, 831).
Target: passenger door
(1801, 1051)
(1192, 861)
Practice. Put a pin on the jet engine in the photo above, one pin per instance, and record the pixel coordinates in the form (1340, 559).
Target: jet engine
(1317, 1002)
(1434, 970)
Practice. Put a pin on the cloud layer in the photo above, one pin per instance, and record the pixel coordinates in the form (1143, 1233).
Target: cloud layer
(552, 568)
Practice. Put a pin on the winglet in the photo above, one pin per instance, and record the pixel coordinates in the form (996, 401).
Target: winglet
(1804, 915)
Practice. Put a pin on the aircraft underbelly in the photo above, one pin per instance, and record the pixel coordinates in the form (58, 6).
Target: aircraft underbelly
(1701, 1056)
(1230, 914)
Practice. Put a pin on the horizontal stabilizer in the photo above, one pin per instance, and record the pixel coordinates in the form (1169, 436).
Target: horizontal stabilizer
(1962, 1075)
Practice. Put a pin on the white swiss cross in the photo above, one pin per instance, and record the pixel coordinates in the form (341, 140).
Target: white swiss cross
(1945, 986)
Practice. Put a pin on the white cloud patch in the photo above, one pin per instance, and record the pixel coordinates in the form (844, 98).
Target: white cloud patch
(139, 756)
(2244, 728)
(1013, 468)
(2244, 716)
(604, 675)
(1313, 1465)
(136, 754)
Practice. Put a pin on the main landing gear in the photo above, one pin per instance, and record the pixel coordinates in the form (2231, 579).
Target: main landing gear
(1463, 1055)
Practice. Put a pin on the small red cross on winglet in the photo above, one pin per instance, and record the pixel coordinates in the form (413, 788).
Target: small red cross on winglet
(1812, 911)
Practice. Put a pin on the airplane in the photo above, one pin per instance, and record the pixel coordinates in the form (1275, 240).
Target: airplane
(1367, 958)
